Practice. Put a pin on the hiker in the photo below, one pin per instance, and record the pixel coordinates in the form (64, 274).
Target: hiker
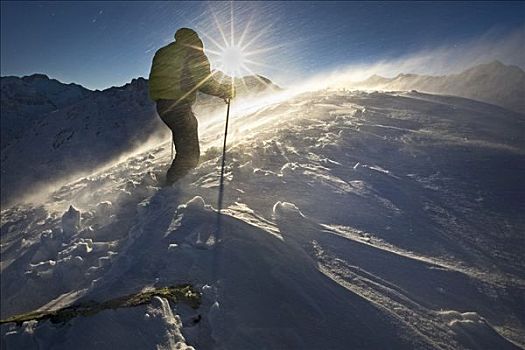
(178, 71)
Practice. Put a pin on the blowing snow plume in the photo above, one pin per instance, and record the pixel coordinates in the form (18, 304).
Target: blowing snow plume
(488, 69)
(78, 131)
(58, 133)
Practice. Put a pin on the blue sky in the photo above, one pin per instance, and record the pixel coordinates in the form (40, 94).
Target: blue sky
(102, 44)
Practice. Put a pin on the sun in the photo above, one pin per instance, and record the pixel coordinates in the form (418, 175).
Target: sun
(235, 53)
(232, 60)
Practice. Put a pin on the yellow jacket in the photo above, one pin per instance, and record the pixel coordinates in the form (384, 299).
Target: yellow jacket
(179, 70)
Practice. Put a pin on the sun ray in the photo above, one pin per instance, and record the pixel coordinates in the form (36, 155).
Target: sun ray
(256, 37)
(260, 64)
(207, 50)
(257, 77)
(245, 31)
(220, 29)
(232, 57)
(232, 31)
(217, 53)
(195, 88)
(262, 50)
(213, 41)
(244, 83)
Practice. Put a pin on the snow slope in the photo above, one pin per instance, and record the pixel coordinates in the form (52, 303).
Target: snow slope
(350, 220)
(52, 130)
(492, 82)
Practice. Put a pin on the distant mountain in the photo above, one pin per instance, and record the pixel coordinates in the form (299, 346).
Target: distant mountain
(493, 82)
(28, 99)
(249, 84)
(52, 130)
(77, 135)
(245, 86)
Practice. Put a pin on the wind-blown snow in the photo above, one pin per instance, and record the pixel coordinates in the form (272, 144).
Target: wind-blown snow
(493, 82)
(54, 132)
(350, 220)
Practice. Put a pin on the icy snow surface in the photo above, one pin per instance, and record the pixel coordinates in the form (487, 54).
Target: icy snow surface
(350, 221)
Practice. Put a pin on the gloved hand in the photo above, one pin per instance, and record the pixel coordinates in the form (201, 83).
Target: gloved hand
(228, 92)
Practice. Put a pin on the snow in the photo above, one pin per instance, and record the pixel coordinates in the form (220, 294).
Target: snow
(27, 100)
(61, 131)
(493, 82)
(350, 220)
(159, 329)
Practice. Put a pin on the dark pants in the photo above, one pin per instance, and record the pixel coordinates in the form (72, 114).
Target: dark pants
(184, 127)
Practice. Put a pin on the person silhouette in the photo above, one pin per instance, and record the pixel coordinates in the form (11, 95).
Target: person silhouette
(178, 71)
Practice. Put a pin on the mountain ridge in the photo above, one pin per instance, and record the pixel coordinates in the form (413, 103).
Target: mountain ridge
(76, 129)
(35, 77)
(493, 82)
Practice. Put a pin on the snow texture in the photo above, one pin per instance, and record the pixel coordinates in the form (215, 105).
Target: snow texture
(350, 221)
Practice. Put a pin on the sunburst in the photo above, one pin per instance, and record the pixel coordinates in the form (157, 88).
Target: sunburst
(233, 57)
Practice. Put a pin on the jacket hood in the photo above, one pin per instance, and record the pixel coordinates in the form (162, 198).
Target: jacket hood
(189, 37)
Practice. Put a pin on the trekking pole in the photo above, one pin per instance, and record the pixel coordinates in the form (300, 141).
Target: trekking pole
(221, 186)
(217, 250)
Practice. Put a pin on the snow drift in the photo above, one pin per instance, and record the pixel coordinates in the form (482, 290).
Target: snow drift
(350, 220)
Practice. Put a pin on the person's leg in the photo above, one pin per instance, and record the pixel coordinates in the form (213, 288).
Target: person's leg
(184, 127)
(186, 141)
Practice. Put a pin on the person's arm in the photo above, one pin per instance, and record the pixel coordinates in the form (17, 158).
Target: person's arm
(204, 80)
